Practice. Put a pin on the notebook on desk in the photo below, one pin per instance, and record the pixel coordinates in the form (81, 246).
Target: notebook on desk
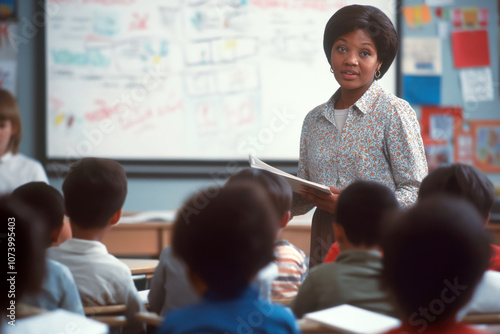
(145, 216)
(351, 319)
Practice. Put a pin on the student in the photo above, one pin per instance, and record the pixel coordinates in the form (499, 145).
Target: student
(94, 192)
(23, 227)
(434, 257)
(225, 236)
(472, 185)
(290, 260)
(170, 288)
(354, 278)
(15, 168)
(466, 182)
(59, 289)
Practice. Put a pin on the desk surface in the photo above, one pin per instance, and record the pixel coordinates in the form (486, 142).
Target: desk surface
(147, 239)
(141, 266)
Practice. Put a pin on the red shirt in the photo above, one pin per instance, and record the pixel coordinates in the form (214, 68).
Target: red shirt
(495, 258)
(333, 252)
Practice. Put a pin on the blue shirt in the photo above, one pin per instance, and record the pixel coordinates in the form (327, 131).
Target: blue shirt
(245, 314)
(58, 290)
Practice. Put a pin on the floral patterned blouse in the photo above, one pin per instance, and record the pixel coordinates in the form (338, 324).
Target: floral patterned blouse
(380, 141)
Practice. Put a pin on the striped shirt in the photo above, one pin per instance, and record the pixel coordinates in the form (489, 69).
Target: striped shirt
(292, 269)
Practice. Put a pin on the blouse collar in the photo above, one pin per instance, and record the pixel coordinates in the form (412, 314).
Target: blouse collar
(364, 103)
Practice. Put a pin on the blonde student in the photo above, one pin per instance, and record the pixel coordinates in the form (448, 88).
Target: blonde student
(15, 168)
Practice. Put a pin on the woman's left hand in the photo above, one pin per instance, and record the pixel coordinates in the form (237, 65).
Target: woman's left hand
(323, 201)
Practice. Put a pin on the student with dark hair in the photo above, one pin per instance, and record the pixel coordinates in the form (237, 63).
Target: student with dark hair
(21, 230)
(224, 243)
(355, 276)
(434, 256)
(170, 288)
(59, 289)
(468, 183)
(361, 132)
(289, 259)
(15, 168)
(94, 193)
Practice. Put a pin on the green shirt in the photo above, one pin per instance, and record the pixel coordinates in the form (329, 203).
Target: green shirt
(354, 278)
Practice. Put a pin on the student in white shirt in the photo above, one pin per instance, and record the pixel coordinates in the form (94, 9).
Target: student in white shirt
(94, 193)
(15, 168)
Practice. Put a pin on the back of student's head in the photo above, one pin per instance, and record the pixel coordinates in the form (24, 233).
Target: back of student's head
(463, 181)
(226, 235)
(434, 256)
(362, 208)
(21, 230)
(94, 190)
(9, 111)
(46, 200)
(278, 190)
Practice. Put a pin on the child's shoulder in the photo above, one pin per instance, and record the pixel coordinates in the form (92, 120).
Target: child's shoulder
(284, 246)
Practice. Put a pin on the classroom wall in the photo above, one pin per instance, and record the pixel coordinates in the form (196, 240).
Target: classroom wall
(167, 193)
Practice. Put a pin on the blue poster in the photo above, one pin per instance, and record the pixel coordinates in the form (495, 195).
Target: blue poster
(422, 89)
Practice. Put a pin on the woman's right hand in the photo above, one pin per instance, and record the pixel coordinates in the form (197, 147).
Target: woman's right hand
(323, 201)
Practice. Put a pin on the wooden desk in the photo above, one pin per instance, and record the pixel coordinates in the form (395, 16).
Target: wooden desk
(141, 266)
(149, 238)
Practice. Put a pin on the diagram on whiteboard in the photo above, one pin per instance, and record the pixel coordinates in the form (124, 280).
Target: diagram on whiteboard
(184, 80)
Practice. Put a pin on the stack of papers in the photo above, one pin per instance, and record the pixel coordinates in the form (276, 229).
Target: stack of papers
(351, 319)
(294, 181)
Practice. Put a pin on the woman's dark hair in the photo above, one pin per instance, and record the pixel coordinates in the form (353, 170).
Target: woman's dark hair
(375, 23)
(434, 256)
(226, 235)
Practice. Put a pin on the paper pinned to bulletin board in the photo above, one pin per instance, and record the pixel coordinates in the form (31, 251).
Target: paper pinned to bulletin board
(486, 145)
(439, 126)
(470, 48)
(8, 58)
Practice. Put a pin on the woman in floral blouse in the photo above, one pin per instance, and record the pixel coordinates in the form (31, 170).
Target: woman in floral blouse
(362, 131)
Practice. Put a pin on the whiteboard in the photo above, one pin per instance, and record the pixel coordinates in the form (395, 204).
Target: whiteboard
(186, 80)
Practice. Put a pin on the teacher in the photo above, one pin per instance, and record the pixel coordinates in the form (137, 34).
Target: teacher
(362, 131)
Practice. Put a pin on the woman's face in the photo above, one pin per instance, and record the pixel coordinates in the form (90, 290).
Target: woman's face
(6, 131)
(354, 61)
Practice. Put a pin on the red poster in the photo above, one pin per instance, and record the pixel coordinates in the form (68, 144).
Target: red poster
(471, 48)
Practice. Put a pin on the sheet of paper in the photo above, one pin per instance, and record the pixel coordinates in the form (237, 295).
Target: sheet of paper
(477, 84)
(58, 321)
(471, 17)
(422, 56)
(294, 181)
(471, 48)
(443, 29)
(351, 319)
(436, 3)
(441, 127)
(422, 89)
(147, 216)
(417, 15)
(8, 75)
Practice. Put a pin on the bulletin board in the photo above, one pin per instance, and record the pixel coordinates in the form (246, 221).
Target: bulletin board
(450, 75)
(8, 48)
(185, 80)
